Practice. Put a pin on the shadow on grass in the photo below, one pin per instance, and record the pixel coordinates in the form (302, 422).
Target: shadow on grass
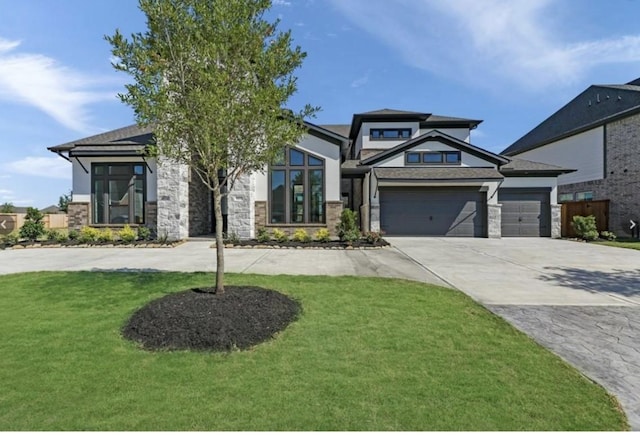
(619, 281)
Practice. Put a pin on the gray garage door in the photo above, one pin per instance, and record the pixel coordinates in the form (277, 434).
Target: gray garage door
(432, 212)
(525, 213)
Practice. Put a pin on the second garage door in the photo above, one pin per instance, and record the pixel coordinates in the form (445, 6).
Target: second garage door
(457, 212)
(525, 212)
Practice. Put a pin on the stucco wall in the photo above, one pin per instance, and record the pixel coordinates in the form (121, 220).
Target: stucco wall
(466, 159)
(584, 152)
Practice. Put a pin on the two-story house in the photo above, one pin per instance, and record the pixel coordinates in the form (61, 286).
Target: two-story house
(405, 173)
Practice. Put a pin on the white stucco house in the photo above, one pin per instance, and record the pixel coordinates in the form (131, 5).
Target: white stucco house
(405, 173)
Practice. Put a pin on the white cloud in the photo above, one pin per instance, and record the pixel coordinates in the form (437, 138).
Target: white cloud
(46, 167)
(362, 80)
(55, 89)
(488, 41)
(281, 3)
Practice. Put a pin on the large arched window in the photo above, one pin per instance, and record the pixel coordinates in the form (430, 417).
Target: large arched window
(296, 188)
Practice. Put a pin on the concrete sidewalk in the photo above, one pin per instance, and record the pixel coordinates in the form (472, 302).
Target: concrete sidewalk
(198, 256)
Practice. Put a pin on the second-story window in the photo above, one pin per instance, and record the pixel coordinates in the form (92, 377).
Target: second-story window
(389, 133)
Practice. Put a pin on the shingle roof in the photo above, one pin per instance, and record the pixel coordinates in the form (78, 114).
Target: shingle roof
(132, 134)
(342, 130)
(437, 173)
(597, 105)
(442, 137)
(526, 167)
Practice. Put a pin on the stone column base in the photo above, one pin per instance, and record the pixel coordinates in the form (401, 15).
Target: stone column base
(79, 215)
(556, 221)
(494, 221)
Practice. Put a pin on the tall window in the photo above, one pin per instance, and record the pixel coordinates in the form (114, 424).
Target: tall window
(118, 192)
(296, 188)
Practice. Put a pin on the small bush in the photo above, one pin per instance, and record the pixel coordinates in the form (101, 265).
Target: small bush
(263, 235)
(322, 235)
(231, 238)
(33, 226)
(52, 234)
(280, 235)
(74, 234)
(12, 238)
(144, 233)
(127, 234)
(608, 235)
(105, 235)
(373, 237)
(348, 230)
(301, 235)
(585, 227)
(88, 235)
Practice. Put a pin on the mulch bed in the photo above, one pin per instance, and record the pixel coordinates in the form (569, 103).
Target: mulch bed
(334, 244)
(197, 319)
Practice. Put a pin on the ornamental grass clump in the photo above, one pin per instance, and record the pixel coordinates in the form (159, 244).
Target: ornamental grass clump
(322, 235)
(301, 235)
(585, 227)
(127, 234)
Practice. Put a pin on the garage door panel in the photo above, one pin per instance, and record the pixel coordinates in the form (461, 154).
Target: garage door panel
(432, 212)
(525, 213)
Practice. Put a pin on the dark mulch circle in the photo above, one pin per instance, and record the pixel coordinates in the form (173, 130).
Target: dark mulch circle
(240, 318)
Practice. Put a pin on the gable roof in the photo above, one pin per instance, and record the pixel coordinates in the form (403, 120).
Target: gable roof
(596, 106)
(443, 138)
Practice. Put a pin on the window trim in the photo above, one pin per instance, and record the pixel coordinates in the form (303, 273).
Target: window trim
(383, 138)
(306, 169)
(105, 178)
(423, 161)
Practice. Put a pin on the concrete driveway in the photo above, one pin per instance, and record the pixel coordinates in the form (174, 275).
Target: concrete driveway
(580, 300)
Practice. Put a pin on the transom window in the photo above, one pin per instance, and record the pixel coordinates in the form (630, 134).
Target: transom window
(296, 188)
(584, 196)
(389, 133)
(565, 197)
(445, 157)
(118, 193)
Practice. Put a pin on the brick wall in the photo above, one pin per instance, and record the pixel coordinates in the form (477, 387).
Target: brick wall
(333, 210)
(78, 214)
(621, 184)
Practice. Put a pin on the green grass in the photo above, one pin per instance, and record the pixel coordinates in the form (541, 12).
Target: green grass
(629, 244)
(366, 354)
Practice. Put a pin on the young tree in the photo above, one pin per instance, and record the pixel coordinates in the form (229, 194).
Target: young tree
(7, 207)
(213, 78)
(63, 202)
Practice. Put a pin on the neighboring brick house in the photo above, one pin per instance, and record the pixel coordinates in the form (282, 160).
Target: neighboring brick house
(598, 134)
(405, 173)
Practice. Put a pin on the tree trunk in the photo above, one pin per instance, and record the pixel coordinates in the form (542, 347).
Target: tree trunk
(217, 207)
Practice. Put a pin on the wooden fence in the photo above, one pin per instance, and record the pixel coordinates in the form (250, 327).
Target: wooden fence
(599, 209)
(49, 220)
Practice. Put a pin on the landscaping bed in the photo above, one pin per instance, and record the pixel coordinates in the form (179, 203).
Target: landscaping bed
(333, 244)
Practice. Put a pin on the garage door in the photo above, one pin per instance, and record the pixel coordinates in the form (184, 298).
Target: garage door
(432, 212)
(525, 213)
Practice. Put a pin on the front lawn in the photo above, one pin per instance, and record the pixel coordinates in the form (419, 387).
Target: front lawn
(365, 354)
(630, 244)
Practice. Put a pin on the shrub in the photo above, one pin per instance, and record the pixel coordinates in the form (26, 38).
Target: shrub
(348, 230)
(127, 234)
(585, 227)
(322, 235)
(263, 235)
(88, 235)
(105, 235)
(231, 238)
(608, 235)
(12, 238)
(74, 234)
(33, 226)
(280, 235)
(373, 237)
(55, 235)
(301, 235)
(144, 233)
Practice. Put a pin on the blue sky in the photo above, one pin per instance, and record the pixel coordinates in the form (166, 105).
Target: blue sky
(509, 63)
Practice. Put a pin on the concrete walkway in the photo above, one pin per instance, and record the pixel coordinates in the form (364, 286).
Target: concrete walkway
(581, 301)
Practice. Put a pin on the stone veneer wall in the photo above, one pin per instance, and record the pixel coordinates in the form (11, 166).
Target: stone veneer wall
(241, 208)
(200, 221)
(173, 200)
(621, 184)
(556, 221)
(333, 210)
(78, 215)
(151, 216)
(494, 221)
